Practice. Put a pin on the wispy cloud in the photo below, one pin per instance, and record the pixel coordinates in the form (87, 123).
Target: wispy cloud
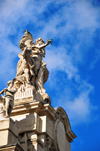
(79, 109)
(72, 24)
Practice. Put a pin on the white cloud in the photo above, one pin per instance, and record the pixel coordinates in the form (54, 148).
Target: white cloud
(78, 109)
(57, 59)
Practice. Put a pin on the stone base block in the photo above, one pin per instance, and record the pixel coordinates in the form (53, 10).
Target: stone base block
(42, 128)
(8, 132)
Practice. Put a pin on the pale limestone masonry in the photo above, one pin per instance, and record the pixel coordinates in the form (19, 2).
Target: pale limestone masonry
(8, 132)
(36, 127)
(27, 120)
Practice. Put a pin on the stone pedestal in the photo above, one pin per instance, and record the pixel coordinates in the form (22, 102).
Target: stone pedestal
(36, 127)
(42, 128)
(8, 132)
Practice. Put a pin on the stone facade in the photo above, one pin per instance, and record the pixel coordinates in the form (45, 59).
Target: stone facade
(37, 127)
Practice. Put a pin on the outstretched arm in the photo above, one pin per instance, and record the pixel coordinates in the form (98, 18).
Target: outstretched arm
(5, 89)
(43, 45)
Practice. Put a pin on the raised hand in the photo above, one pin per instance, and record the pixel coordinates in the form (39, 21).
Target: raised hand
(49, 41)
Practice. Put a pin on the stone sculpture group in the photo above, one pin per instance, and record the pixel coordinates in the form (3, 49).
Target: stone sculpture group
(32, 73)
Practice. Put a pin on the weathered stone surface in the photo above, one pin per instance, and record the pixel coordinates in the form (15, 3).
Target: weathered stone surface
(8, 132)
(49, 127)
(37, 127)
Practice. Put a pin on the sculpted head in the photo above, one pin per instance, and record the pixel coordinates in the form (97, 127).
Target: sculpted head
(27, 36)
(26, 40)
(40, 41)
(17, 84)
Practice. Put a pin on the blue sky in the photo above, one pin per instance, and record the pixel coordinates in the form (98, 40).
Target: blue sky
(73, 59)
